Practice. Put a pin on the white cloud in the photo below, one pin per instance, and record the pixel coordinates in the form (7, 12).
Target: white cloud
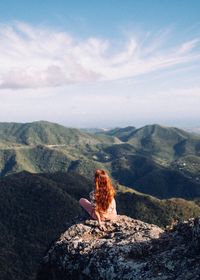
(188, 46)
(34, 57)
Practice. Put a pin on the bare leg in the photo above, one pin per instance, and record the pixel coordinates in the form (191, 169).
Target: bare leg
(86, 204)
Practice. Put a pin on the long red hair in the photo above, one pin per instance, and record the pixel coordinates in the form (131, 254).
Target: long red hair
(104, 190)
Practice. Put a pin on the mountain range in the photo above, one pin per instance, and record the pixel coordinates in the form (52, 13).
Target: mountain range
(161, 161)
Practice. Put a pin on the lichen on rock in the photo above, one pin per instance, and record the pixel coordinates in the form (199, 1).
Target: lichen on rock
(127, 249)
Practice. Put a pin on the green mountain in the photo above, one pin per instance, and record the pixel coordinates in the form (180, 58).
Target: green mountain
(46, 147)
(34, 211)
(162, 212)
(145, 175)
(41, 158)
(161, 161)
(166, 143)
(44, 133)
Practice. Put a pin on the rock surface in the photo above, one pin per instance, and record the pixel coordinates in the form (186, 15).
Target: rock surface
(127, 249)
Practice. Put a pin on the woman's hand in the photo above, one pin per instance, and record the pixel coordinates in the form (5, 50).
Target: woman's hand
(102, 227)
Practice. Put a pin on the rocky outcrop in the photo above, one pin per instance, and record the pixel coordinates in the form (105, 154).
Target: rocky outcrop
(127, 249)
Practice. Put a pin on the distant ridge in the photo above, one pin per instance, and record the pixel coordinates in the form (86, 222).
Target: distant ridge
(42, 132)
(164, 142)
(122, 133)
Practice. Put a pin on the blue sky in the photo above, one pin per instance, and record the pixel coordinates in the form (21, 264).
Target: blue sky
(100, 63)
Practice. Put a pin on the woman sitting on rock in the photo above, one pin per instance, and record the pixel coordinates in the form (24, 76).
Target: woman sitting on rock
(102, 206)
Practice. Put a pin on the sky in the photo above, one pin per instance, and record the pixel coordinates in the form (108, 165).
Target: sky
(108, 63)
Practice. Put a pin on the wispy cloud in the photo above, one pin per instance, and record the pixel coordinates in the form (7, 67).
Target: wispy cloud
(34, 57)
(188, 46)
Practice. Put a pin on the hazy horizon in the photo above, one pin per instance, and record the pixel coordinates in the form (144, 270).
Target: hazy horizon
(106, 127)
(100, 64)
